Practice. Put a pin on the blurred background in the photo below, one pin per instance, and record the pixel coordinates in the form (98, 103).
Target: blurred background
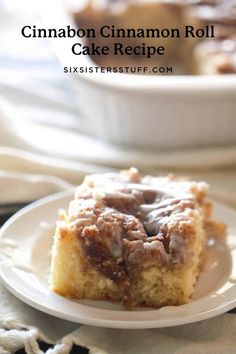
(30, 74)
(40, 122)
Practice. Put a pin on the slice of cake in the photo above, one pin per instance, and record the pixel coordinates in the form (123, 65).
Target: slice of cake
(136, 240)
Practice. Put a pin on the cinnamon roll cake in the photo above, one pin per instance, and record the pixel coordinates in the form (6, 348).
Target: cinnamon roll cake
(190, 55)
(131, 239)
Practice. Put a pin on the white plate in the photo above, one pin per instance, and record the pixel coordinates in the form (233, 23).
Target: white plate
(25, 256)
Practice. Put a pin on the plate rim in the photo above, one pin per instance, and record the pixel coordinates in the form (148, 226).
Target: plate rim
(101, 322)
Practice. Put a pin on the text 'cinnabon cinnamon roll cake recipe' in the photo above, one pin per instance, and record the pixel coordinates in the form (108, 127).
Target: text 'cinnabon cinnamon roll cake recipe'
(131, 239)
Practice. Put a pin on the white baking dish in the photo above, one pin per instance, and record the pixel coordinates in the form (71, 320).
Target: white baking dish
(156, 112)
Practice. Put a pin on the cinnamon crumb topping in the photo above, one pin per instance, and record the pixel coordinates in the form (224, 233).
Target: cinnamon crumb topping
(124, 219)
